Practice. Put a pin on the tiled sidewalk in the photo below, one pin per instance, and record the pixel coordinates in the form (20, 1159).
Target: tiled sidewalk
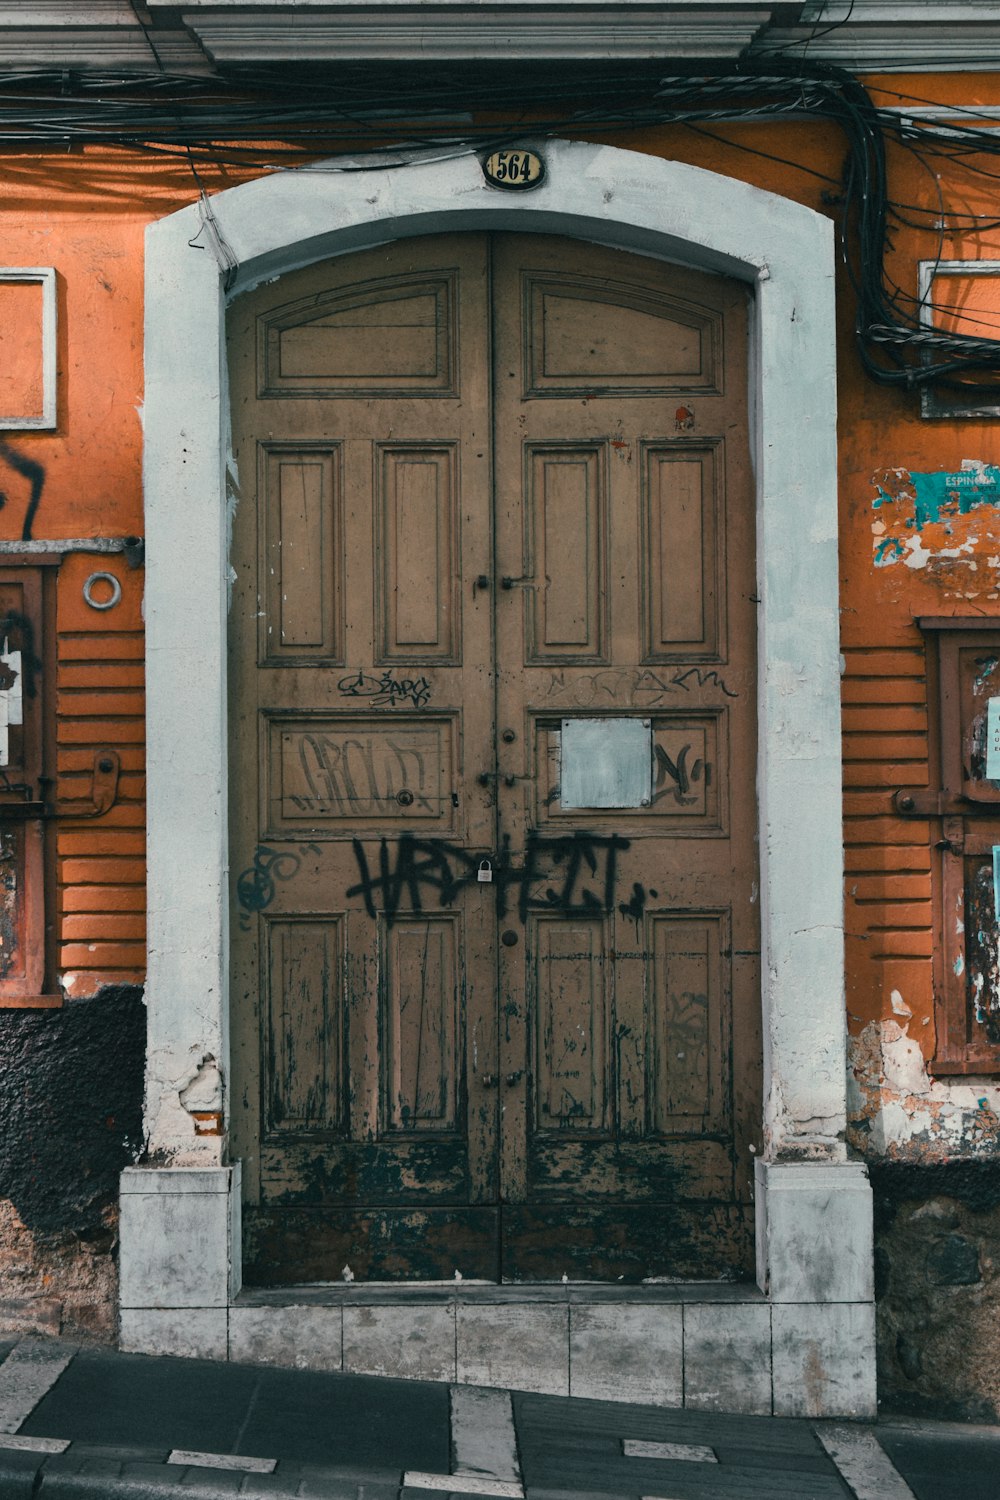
(92, 1424)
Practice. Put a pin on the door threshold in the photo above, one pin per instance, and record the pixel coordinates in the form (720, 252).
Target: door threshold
(393, 1293)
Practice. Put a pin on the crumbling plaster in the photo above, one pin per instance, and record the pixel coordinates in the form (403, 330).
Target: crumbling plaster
(898, 1111)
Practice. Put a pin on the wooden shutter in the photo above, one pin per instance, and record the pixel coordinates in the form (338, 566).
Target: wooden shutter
(963, 805)
(25, 756)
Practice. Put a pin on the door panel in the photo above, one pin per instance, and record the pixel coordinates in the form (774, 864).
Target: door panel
(624, 532)
(361, 705)
(497, 484)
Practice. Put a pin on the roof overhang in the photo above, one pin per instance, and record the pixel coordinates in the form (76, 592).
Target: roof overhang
(205, 36)
(523, 31)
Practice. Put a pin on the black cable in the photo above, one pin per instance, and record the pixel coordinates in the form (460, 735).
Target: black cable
(223, 120)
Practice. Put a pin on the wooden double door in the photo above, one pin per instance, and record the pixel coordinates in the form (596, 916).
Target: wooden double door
(495, 941)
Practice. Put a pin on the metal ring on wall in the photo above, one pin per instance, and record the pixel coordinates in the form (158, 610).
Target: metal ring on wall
(116, 591)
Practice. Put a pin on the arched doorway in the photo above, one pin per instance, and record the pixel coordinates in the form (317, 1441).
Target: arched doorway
(180, 1212)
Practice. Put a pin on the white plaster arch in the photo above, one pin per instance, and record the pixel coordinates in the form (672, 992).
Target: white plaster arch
(600, 193)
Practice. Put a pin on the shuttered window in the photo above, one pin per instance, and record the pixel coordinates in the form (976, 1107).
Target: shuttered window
(25, 784)
(962, 804)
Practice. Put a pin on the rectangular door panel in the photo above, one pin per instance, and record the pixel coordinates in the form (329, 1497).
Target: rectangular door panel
(301, 554)
(421, 1026)
(418, 601)
(623, 1242)
(689, 1004)
(572, 1032)
(293, 1246)
(565, 563)
(683, 536)
(349, 775)
(689, 780)
(303, 1044)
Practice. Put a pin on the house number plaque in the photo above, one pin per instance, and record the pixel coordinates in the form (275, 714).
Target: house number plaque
(514, 169)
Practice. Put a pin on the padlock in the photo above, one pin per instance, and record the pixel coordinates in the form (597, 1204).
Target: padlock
(485, 872)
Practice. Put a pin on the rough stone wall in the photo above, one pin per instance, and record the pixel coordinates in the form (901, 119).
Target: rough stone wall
(937, 1286)
(70, 1119)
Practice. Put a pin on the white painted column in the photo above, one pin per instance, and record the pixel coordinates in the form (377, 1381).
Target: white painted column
(185, 610)
(799, 771)
(180, 1217)
(813, 1208)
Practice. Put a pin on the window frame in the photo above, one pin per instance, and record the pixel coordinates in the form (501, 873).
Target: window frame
(931, 404)
(36, 989)
(959, 822)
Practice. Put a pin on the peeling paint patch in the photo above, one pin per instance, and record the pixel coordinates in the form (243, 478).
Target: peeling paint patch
(987, 664)
(202, 1098)
(185, 1101)
(899, 1005)
(896, 1111)
(924, 518)
(11, 706)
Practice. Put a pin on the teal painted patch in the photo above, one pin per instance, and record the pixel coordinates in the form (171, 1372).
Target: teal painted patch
(888, 549)
(910, 500)
(945, 493)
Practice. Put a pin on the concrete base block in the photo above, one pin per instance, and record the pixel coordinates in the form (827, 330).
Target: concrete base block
(411, 1343)
(814, 1231)
(824, 1360)
(179, 1236)
(188, 1332)
(627, 1353)
(524, 1347)
(727, 1358)
(300, 1338)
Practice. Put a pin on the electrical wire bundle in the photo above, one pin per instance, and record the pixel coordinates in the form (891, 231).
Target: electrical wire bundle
(223, 119)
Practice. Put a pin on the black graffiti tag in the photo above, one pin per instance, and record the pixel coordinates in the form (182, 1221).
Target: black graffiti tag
(703, 679)
(417, 868)
(386, 691)
(255, 887)
(570, 876)
(34, 473)
(674, 778)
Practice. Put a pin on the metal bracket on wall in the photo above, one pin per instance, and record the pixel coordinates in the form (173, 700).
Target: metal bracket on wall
(104, 794)
(921, 804)
(927, 803)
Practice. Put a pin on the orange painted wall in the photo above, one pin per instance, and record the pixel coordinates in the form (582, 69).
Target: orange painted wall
(84, 214)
